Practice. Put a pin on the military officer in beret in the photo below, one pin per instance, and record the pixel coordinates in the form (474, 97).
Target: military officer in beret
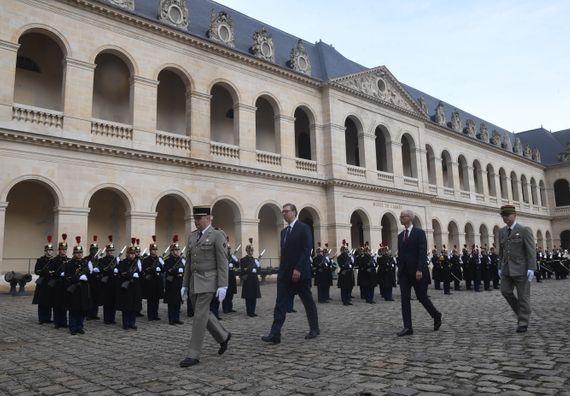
(517, 261)
(205, 278)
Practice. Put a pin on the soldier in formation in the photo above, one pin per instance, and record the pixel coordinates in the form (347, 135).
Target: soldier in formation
(250, 290)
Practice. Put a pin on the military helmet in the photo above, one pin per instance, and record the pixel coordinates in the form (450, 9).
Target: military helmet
(153, 244)
(63, 243)
(78, 248)
(48, 245)
(110, 245)
(94, 243)
(174, 245)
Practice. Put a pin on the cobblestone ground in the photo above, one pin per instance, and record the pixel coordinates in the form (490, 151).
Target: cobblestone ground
(476, 351)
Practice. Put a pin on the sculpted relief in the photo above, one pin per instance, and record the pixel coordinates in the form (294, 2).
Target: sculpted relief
(518, 147)
(565, 156)
(423, 105)
(470, 128)
(440, 114)
(507, 144)
(263, 45)
(536, 154)
(496, 138)
(456, 121)
(222, 28)
(299, 59)
(483, 133)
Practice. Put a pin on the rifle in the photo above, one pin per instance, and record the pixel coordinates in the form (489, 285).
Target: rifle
(79, 271)
(129, 274)
(237, 249)
(109, 267)
(122, 250)
(174, 268)
(102, 254)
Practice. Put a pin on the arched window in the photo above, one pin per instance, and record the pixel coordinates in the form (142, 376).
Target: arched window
(503, 184)
(515, 186)
(383, 150)
(447, 169)
(172, 113)
(430, 161)
(562, 192)
(266, 125)
(491, 181)
(533, 191)
(223, 123)
(351, 142)
(524, 188)
(542, 193)
(303, 135)
(477, 177)
(112, 89)
(409, 156)
(463, 173)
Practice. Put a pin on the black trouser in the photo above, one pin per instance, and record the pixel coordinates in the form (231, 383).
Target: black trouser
(76, 319)
(406, 284)
(468, 283)
(446, 287)
(93, 311)
(437, 284)
(345, 295)
(174, 312)
(477, 285)
(228, 303)
(109, 312)
(250, 304)
(386, 292)
(44, 313)
(487, 284)
(129, 319)
(59, 316)
(152, 308)
(457, 284)
(189, 308)
(368, 293)
(284, 292)
(322, 293)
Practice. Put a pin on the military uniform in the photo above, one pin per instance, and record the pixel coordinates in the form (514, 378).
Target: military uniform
(77, 299)
(445, 264)
(233, 263)
(345, 280)
(174, 272)
(367, 265)
(206, 275)
(436, 269)
(456, 272)
(250, 290)
(129, 298)
(56, 267)
(42, 296)
(386, 274)
(94, 281)
(153, 288)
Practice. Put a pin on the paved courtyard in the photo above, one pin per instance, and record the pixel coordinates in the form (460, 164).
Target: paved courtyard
(476, 351)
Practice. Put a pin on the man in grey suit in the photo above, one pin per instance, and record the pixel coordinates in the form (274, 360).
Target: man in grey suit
(205, 276)
(517, 261)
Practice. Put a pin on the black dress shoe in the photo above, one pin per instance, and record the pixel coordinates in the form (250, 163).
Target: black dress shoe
(312, 334)
(522, 329)
(224, 345)
(437, 322)
(273, 339)
(405, 332)
(172, 323)
(72, 332)
(189, 362)
(133, 327)
(157, 318)
(81, 331)
(125, 327)
(139, 315)
(178, 322)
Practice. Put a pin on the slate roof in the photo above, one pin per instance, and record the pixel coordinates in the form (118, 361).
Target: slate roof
(327, 63)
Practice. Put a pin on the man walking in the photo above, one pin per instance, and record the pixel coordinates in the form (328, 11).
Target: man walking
(294, 275)
(205, 277)
(517, 263)
(412, 261)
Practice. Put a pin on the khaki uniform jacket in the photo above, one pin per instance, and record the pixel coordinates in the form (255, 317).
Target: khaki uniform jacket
(517, 252)
(208, 262)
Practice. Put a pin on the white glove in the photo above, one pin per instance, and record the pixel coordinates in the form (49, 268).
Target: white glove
(349, 265)
(231, 265)
(62, 274)
(499, 273)
(116, 270)
(221, 293)
(180, 270)
(530, 275)
(83, 277)
(96, 270)
(254, 271)
(136, 275)
(158, 269)
(184, 293)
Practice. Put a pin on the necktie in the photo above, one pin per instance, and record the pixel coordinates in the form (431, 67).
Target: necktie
(509, 231)
(287, 231)
(200, 235)
(406, 235)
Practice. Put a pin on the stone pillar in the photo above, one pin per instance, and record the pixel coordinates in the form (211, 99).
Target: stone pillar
(397, 164)
(246, 128)
(430, 238)
(8, 55)
(142, 225)
(470, 181)
(78, 98)
(247, 228)
(287, 142)
(438, 175)
(73, 222)
(335, 157)
(200, 125)
(485, 183)
(374, 236)
(188, 226)
(368, 141)
(455, 172)
(3, 206)
(509, 185)
(143, 110)
(336, 233)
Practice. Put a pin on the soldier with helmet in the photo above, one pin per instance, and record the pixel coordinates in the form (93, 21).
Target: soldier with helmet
(445, 273)
(174, 271)
(346, 274)
(321, 281)
(386, 272)
(456, 272)
(486, 268)
(42, 295)
(494, 258)
(108, 291)
(152, 290)
(56, 267)
(94, 280)
(436, 268)
(367, 264)
(250, 290)
(76, 271)
(129, 299)
(468, 268)
(329, 268)
(233, 263)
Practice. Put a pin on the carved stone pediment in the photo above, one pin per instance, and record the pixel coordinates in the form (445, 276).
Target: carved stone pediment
(126, 4)
(496, 138)
(174, 12)
(263, 47)
(222, 28)
(299, 59)
(380, 84)
(470, 128)
(456, 121)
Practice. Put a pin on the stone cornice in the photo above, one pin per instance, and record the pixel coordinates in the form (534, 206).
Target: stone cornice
(145, 81)
(7, 45)
(80, 64)
(69, 210)
(200, 95)
(449, 132)
(142, 215)
(187, 38)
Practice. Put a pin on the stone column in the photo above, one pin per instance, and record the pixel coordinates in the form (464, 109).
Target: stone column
(438, 175)
(200, 125)
(247, 228)
(484, 182)
(455, 171)
(397, 164)
(374, 236)
(78, 98)
(368, 141)
(8, 54)
(188, 226)
(73, 222)
(142, 225)
(287, 142)
(143, 109)
(246, 128)
(3, 206)
(470, 181)
(335, 157)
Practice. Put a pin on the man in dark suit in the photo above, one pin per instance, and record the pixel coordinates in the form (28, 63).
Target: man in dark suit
(294, 275)
(412, 261)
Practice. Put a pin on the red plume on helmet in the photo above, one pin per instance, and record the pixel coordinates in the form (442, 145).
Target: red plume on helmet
(154, 238)
(95, 238)
(64, 236)
(175, 238)
(250, 240)
(49, 238)
(326, 245)
(133, 240)
(138, 241)
(110, 238)
(78, 239)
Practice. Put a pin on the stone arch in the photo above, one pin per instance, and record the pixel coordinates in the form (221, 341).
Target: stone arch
(180, 196)
(383, 143)
(224, 104)
(267, 123)
(524, 189)
(503, 183)
(173, 213)
(447, 169)
(273, 101)
(48, 30)
(354, 149)
(484, 236)
(453, 234)
(469, 234)
(389, 223)
(515, 186)
(437, 232)
(477, 177)
(227, 214)
(542, 189)
(312, 217)
(562, 192)
(539, 239)
(179, 70)
(533, 191)
(173, 102)
(463, 172)
(496, 230)
(491, 185)
(430, 162)
(359, 227)
(565, 240)
(51, 186)
(122, 191)
(119, 52)
(229, 86)
(305, 137)
(548, 236)
(409, 162)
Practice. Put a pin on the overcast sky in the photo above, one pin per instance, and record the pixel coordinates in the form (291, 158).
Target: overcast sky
(506, 61)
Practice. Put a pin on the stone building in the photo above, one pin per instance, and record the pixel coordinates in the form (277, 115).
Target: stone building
(117, 116)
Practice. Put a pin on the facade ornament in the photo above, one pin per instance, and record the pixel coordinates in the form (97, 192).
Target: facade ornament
(536, 154)
(527, 151)
(174, 12)
(507, 144)
(518, 147)
(470, 128)
(222, 28)
(126, 4)
(263, 46)
(483, 132)
(456, 121)
(299, 59)
(423, 104)
(496, 138)
(565, 156)
(440, 114)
